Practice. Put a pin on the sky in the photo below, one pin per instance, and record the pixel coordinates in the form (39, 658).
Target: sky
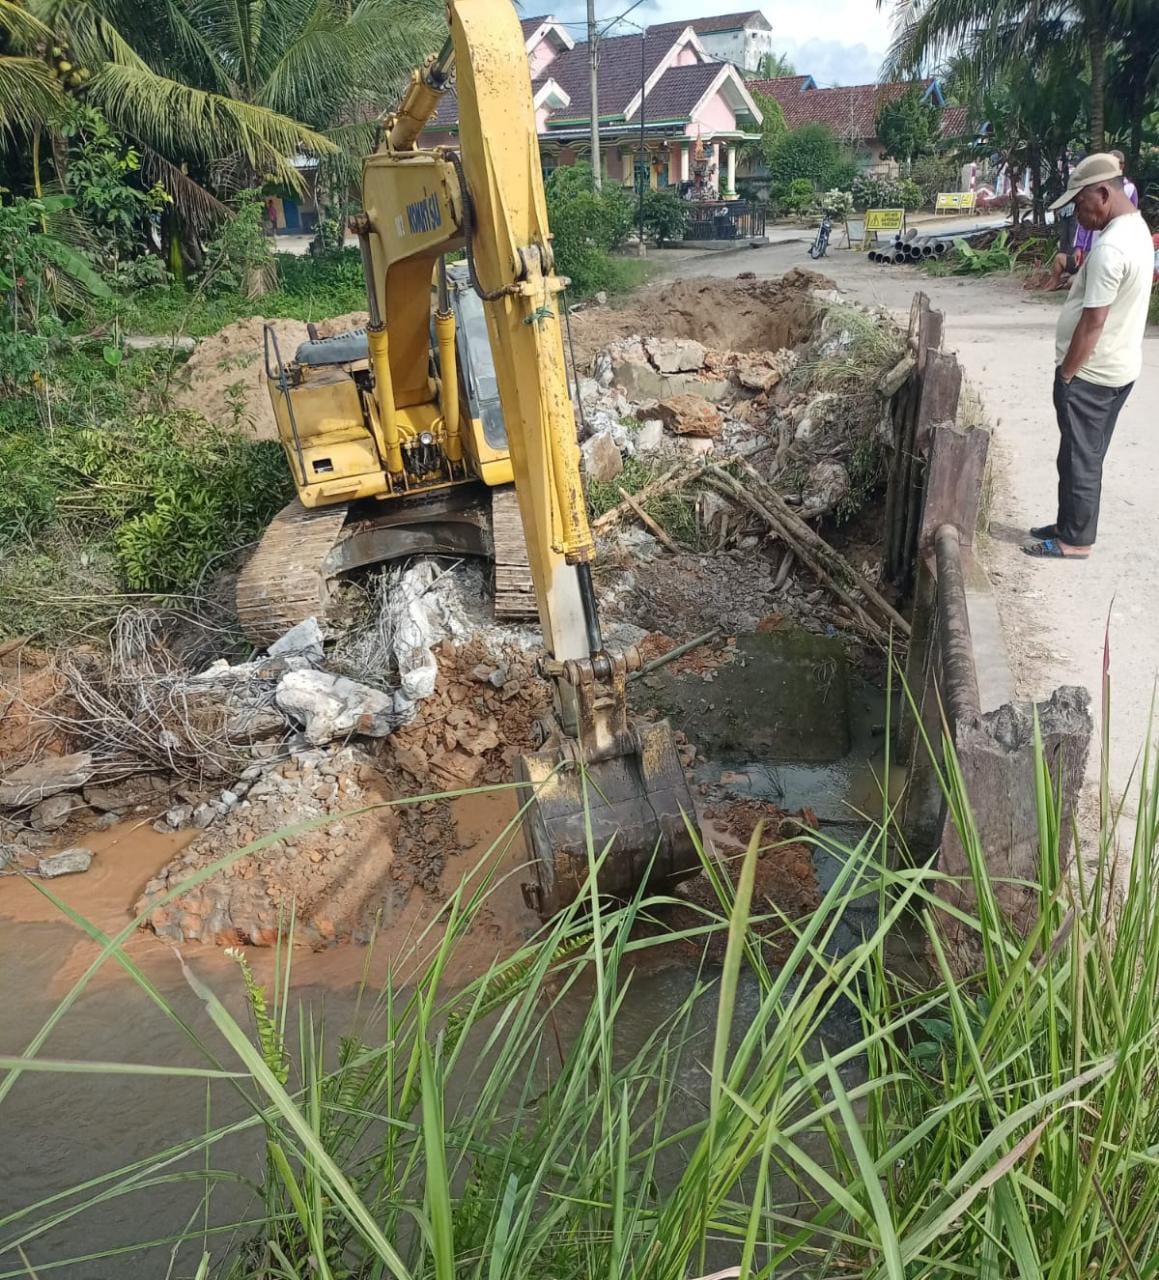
(835, 41)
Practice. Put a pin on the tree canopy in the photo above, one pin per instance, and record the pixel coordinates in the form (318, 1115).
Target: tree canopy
(908, 127)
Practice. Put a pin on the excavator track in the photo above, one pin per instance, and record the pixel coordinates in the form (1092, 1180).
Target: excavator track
(303, 553)
(514, 590)
(285, 580)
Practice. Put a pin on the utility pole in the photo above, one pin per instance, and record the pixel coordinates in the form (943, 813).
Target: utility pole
(593, 66)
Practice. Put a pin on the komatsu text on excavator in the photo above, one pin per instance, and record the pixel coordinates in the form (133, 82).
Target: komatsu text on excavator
(398, 436)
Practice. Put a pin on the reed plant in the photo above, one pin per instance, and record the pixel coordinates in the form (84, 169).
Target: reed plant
(833, 1115)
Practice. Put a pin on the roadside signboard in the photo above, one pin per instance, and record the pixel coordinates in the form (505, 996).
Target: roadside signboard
(955, 201)
(879, 220)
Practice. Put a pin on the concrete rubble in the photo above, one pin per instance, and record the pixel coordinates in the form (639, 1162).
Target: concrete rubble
(68, 862)
(32, 783)
(295, 755)
(329, 706)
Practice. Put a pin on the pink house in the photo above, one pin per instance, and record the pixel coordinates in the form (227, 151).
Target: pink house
(669, 111)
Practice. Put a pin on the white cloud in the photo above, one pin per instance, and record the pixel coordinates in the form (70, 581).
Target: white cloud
(804, 31)
(830, 62)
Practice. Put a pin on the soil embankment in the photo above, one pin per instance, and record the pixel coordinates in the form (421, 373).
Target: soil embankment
(330, 757)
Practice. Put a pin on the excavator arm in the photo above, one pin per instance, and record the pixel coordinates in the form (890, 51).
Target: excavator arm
(600, 782)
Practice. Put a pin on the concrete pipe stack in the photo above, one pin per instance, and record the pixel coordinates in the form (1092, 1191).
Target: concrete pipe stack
(913, 247)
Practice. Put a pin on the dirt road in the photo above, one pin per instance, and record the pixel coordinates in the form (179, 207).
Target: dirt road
(1055, 614)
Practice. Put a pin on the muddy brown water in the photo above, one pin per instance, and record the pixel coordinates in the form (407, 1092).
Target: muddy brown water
(59, 1130)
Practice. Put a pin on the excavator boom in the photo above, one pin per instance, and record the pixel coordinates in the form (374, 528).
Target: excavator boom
(600, 783)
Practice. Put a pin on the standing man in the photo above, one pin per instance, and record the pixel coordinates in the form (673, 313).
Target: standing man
(1098, 350)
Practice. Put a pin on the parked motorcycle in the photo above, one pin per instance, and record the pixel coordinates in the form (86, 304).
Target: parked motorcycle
(821, 243)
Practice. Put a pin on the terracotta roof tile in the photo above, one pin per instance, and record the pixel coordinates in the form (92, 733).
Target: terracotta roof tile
(850, 110)
(953, 122)
(780, 87)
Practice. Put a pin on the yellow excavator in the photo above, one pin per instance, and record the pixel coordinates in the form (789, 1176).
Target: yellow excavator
(395, 437)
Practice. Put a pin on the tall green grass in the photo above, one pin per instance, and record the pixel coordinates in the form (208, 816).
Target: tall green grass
(830, 1117)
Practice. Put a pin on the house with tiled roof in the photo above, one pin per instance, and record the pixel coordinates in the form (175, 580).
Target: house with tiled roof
(670, 112)
(850, 111)
(740, 38)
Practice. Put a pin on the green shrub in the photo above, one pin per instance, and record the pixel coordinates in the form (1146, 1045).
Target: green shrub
(587, 225)
(801, 195)
(308, 288)
(177, 493)
(910, 194)
(839, 203)
(306, 275)
(100, 173)
(43, 280)
(664, 216)
(239, 259)
(934, 174)
(32, 479)
(872, 192)
(876, 192)
(842, 174)
(169, 494)
(811, 153)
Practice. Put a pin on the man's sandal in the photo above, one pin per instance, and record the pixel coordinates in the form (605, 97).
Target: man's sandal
(1051, 549)
(1044, 531)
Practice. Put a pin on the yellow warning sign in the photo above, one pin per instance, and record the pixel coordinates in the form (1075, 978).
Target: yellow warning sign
(953, 201)
(884, 219)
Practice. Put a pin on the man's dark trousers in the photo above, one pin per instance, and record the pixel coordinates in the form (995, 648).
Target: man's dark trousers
(1087, 414)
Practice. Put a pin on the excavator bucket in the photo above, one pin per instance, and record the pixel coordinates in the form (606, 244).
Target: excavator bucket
(638, 803)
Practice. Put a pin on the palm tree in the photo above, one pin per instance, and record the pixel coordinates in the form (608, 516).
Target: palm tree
(999, 34)
(30, 93)
(222, 94)
(774, 66)
(1135, 70)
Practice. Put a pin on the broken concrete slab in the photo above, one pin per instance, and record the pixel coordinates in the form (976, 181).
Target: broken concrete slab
(640, 381)
(686, 415)
(997, 758)
(68, 862)
(303, 640)
(602, 460)
(32, 783)
(764, 370)
(330, 706)
(650, 437)
(675, 355)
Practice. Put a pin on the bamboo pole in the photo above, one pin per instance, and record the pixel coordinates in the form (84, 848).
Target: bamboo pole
(681, 649)
(670, 478)
(836, 561)
(647, 521)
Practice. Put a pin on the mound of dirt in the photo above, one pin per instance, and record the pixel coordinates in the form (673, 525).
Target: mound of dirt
(224, 379)
(731, 315)
(29, 684)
